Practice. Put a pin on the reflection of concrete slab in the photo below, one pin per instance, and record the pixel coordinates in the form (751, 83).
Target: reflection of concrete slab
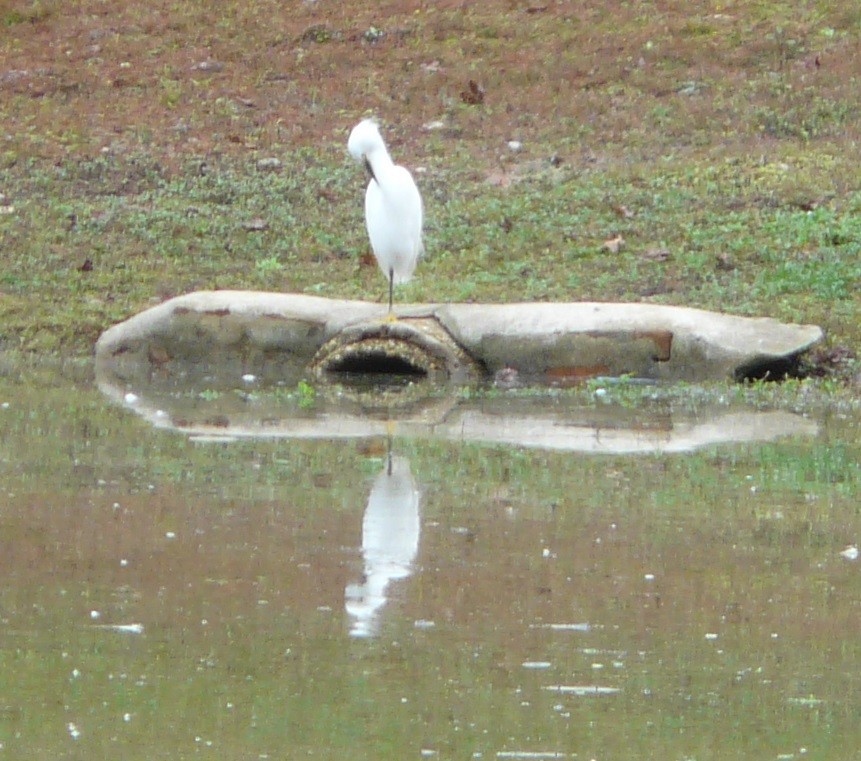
(518, 422)
(278, 336)
(681, 434)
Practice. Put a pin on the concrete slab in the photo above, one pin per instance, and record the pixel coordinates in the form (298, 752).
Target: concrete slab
(281, 336)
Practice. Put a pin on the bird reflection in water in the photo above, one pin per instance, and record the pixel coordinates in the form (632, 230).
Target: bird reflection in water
(390, 542)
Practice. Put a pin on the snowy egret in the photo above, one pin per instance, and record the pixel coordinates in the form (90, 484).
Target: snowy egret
(391, 529)
(393, 206)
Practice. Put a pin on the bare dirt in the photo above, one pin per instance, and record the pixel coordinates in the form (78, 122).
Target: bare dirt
(233, 77)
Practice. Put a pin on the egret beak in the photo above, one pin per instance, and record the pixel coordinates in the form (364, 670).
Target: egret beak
(370, 169)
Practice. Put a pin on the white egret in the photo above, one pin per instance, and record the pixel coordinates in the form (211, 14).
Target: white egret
(391, 529)
(393, 206)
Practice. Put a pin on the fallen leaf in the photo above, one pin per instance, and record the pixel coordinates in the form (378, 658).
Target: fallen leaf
(317, 33)
(657, 254)
(806, 204)
(474, 93)
(830, 361)
(613, 245)
(269, 164)
(210, 67)
(838, 354)
(724, 263)
(499, 179)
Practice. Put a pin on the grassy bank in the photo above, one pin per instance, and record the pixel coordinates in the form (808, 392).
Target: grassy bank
(700, 154)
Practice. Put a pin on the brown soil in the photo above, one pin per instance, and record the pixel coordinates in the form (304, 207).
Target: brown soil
(224, 78)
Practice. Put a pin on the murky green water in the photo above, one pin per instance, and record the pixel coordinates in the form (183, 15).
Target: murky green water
(225, 579)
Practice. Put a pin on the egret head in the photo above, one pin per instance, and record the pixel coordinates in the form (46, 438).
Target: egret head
(365, 140)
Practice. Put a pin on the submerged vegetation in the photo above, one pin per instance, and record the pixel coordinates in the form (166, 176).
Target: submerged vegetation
(697, 154)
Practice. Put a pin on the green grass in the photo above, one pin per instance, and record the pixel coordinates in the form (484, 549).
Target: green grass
(738, 233)
(722, 137)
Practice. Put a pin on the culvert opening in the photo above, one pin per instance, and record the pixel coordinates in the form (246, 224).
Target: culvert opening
(403, 351)
(375, 363)
(769, 369)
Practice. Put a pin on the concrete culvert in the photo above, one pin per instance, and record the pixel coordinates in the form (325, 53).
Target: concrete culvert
(420, 348)
(280, 337)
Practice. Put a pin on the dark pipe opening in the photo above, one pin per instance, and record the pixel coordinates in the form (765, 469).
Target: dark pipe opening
(376, 363)
(771, 369)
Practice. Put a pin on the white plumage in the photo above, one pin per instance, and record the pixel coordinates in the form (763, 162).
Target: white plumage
(390, 542)
(393, 206)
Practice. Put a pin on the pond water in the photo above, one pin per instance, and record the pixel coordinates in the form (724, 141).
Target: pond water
(223, 575)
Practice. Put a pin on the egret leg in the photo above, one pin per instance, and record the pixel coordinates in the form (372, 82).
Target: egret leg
(391, 316)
